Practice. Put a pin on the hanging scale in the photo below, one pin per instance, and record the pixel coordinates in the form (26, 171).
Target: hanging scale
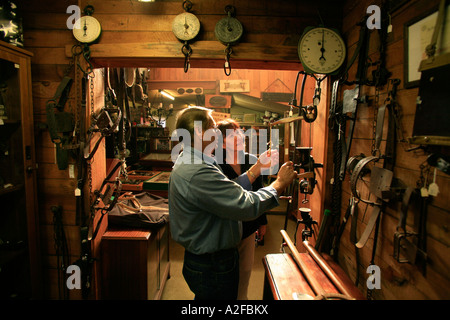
(87, 29)
(228, 31)
(185, 27)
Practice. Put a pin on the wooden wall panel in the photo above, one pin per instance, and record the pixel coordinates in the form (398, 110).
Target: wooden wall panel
(398, 281)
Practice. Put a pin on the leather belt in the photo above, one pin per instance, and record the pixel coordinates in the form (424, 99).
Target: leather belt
(370, 225)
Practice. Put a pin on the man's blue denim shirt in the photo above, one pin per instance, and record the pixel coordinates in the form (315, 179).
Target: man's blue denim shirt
(205, 207)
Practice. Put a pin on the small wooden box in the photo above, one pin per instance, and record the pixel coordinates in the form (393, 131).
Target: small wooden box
(135, 264)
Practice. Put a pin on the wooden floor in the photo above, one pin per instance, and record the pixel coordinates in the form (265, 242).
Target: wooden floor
(177, 289)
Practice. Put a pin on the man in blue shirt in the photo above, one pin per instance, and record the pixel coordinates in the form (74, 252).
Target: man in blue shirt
(206, 209)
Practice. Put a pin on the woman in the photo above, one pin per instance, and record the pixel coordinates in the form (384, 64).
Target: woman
(239, 162)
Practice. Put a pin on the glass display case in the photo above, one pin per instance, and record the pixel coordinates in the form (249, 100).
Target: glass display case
(19, 254)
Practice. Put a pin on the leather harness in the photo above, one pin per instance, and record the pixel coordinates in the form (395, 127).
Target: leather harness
(60, 122)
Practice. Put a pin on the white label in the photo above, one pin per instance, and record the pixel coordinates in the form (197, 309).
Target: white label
(71, 171)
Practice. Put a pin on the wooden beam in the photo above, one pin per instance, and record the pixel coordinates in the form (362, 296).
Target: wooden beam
(201, 49)
(205, 54)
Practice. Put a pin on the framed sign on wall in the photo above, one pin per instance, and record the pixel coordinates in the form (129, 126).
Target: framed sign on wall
(418, 33)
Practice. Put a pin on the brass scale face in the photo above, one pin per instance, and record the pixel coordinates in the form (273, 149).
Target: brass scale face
(87, 29)
(321, 50)
(186, 26)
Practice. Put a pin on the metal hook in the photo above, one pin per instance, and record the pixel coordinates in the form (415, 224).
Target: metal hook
(187, 51)
(187, 5)
(89, 10)
(227, 66)
(86, 55)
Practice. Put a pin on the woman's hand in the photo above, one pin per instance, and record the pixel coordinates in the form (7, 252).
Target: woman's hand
(269, 158)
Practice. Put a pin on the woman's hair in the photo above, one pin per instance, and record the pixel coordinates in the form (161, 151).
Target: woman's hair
(227, 124)
(187, 117)
(223, 126)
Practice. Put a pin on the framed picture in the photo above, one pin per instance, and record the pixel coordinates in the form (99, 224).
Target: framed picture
(249, 117)
(162, 144)
(238, 117)
(418, 33)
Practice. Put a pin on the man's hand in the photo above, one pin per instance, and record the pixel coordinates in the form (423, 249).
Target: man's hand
(285, 176)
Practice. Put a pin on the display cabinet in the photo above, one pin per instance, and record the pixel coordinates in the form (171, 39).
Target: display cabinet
(19, 240)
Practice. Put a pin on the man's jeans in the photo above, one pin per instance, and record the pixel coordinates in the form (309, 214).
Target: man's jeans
(212, 276)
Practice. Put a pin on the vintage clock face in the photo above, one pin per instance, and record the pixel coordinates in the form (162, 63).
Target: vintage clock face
(321, 51)
(87, 29)
(186, 26)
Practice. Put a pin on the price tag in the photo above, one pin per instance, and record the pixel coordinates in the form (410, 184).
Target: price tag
(77, 192)
(424, 192)
(71, 171)
(433, 188)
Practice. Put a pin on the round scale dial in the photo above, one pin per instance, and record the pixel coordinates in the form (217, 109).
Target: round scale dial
(321, 51)
(186, 26)
(228, 30)
(87, 29)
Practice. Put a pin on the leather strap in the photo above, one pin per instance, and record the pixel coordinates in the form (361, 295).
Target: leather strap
(60, 123)
(379, 127)
(391, 139)
(354, 240)
(349, 213)
(370, 225)
(58, 101)
(404, 208)
(350, 106)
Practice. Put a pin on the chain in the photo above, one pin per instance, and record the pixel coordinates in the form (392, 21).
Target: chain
(78, 91)
(91, 88)
(187, 51)
(369, 295)
(89, 163)
(70, 68)
(375, 117)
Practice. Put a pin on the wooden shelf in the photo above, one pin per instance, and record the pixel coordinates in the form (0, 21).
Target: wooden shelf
(4, 191)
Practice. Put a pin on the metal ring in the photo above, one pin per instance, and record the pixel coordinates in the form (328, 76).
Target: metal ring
(355, 176)
(188, 48)
(187, 5)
